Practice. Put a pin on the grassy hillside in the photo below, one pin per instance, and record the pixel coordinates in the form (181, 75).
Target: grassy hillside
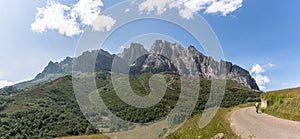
(284, 103)
(235, 94)
(50, 110)
(47, 111)
(190, 129)
(219, 124)
(28, 85)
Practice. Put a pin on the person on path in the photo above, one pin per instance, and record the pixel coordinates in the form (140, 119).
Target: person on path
(256, 106)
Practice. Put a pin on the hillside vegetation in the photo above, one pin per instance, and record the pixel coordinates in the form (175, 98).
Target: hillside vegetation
(284, 103)
(219, 124)
(190, 129)
(47, 111)
(235, 94)
(28, 85)
(50, 110)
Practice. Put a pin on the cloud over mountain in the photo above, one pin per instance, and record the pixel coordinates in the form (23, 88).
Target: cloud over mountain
(187, 8)
(257, 72)
(69, 20)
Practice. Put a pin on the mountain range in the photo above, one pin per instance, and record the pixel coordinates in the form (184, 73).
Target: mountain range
(163, 56)
(46, 107)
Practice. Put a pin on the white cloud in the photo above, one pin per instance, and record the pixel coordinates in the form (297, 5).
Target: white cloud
(261, 81)
(197, 5)
(257, 69)
(257, 73)
(127, 10)
(160, 6)
(224, 6)
(87, 10)
(4, 83)
(187, 8)
(53, 16)
(186, 13)
(270, 65)
(68, 20)
(103, 23)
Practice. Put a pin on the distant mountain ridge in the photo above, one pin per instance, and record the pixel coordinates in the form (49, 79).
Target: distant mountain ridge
(163, 56)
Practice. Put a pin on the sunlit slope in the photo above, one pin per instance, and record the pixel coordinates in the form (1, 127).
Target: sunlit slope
(283, 103)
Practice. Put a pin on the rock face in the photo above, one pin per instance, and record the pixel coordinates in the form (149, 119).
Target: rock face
(153, 63)
(81, 63)
(172, 57)
(163, 56)
(132, 53)
(55, 68)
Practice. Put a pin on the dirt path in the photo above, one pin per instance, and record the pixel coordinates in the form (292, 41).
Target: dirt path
(247, 123)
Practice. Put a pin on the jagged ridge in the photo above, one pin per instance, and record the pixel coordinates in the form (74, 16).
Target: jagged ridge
(163, 56)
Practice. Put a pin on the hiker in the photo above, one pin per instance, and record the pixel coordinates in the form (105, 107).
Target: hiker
(256, 106)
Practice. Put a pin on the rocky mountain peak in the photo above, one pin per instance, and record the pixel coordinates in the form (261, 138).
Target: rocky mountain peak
(192, 48)
(163, 56)
(67, 60)
(167, 49)
(53, 68)
(134, 51)
(172, 57)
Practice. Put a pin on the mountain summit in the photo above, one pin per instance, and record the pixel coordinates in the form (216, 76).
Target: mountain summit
(163, 56)
(172, 57)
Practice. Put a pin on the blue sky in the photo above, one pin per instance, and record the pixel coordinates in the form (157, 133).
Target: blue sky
(260, 36)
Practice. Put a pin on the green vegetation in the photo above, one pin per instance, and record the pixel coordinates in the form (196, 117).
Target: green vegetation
(44, 112)
(235, 94)
(4, 102)
(27, 85)
(50, 110)
(283, 103)
(219, 124)
(33, 83)
(6, 91)
(140, 86)
(253, 99)
(190, 129)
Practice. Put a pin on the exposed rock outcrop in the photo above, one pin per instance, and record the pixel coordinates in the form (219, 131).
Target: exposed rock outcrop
(172, 57)
(163, 56)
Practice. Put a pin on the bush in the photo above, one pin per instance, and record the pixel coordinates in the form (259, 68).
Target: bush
(253, 99)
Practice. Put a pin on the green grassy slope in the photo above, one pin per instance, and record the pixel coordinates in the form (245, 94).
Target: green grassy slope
(28, 85)
(284, 103)
(235, 94)
(50, 110)
(219, 124)
(46, 111)
(190, 129)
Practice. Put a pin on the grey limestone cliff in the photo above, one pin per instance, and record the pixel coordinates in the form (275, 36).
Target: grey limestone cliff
(163, 56)
(172, 57)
